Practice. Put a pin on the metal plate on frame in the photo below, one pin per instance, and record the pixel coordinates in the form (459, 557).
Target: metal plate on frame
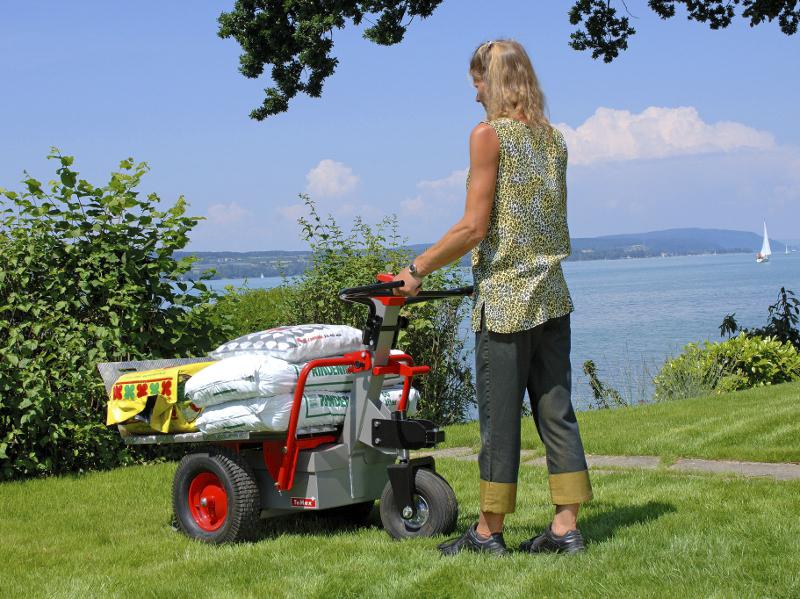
(199, 437)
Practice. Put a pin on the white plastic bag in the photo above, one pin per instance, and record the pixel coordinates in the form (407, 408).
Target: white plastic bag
(272, 413)
(299, 343)
(258, 375)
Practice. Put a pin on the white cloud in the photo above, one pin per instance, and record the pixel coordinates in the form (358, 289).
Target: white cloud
(292, 212)
(455, 180)
(656, 132)
(330, 179)
(227, 214)
(413, 206)
(436, 196)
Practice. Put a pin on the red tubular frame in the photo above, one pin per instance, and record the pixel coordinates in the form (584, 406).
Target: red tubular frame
(283, 469)
(281, 458)
(408, 370)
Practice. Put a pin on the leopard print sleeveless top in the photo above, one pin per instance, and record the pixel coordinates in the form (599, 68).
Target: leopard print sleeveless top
(519, 283)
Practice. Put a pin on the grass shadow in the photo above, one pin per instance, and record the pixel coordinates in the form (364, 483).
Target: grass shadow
(317, 524)
(305, 524)
(598, 527)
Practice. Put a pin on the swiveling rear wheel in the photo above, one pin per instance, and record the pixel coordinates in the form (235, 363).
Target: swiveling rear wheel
(215, 497)
(436, 508)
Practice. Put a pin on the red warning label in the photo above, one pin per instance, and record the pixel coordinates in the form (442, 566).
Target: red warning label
(304, 502)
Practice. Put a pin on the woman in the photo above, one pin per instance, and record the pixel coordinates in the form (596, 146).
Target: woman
(515, 223)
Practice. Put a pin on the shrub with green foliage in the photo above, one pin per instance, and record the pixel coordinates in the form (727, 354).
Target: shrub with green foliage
(605, 396)
(783, 322)
(248, 310)
(87, 275)
(739, 363)
(347, 260)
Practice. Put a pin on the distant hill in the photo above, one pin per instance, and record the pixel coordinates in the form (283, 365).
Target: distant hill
(670, 242)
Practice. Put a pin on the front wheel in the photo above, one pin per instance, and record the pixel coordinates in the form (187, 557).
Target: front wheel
(436, 504)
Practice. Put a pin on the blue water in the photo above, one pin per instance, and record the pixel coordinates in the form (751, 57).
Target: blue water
(630, 315)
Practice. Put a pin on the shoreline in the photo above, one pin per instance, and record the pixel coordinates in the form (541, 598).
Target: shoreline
(566, 261)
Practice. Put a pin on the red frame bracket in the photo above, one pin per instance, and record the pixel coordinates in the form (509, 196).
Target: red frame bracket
(281, 459)
(396, 365)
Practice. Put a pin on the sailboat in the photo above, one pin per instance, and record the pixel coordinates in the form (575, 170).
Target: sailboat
(766, 252)
(787, 249)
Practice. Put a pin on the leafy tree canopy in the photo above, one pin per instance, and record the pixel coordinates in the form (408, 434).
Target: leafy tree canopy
(295, 37)
(604, 32)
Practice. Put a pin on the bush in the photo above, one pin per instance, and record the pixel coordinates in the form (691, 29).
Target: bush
(739, 363)
(87, 275)
(783, 322)
(248, 310)
(605, 396)
(347, 260)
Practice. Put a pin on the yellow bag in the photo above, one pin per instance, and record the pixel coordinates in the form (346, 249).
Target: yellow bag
(145, 401)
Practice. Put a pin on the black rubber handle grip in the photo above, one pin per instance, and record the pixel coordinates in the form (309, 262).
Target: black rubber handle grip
(376, 289)
(424, 296)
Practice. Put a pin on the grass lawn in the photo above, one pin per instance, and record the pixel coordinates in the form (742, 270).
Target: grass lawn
(761, 425)
(654, 534)
(649, 533)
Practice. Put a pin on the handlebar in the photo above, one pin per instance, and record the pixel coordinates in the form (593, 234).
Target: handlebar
(424, 296)
(385, 290)
(374, 290)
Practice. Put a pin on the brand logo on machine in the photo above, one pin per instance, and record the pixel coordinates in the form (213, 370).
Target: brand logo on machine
(304, 502)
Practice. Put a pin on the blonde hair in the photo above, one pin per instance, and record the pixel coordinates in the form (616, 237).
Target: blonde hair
(511, 84)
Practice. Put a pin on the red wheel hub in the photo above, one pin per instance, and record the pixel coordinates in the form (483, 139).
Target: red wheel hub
(208, 501)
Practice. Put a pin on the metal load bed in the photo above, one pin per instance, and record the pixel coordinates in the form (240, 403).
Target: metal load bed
(111, 371)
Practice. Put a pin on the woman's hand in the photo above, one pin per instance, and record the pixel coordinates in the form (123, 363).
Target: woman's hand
(412, 283)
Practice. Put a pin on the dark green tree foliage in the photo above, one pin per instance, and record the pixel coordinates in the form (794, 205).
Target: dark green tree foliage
(729, 325)
(87, 275)
(351, 259)
(783, 322)
(604, 396)
(605, 31)
(295, 37)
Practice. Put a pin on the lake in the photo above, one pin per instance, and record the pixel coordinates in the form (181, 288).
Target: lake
(630, 315)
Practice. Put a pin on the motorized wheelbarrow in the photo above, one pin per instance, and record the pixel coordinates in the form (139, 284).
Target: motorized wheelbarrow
(221, 490)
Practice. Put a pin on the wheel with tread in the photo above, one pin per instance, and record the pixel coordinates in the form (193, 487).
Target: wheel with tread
(215, 497)
(437, 508)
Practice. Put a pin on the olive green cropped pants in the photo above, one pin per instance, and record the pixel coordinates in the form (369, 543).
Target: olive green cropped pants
(506, 365)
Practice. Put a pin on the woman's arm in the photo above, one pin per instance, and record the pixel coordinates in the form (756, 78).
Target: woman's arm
(484, 157)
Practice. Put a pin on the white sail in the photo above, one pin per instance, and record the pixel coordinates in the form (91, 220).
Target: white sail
(765, 249)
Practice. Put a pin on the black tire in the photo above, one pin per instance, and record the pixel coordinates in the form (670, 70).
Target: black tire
(219, 473)
(439, 508)
(355, 513)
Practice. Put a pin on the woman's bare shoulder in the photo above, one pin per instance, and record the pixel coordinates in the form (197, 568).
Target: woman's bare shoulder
(484, 134)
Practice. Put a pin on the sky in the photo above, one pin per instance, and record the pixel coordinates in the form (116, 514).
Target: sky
(688, 128)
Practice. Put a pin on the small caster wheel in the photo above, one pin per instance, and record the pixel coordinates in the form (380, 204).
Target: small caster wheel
(436, 504)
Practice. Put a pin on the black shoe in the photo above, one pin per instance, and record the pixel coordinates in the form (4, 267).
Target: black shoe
(471, 541)
(570, 542)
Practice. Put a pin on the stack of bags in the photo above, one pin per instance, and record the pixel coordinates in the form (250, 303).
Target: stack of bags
(251, 387)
